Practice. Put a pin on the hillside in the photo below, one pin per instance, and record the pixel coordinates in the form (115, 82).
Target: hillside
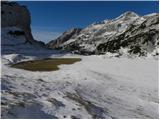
(137, 34)
(55, 44)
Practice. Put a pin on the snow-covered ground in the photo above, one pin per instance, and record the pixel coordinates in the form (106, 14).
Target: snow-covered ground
(96, 87)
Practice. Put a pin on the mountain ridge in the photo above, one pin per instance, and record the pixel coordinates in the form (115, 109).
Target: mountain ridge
(63, 38)
(90, 39)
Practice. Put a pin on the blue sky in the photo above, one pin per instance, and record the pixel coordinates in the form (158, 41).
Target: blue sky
(51, 18)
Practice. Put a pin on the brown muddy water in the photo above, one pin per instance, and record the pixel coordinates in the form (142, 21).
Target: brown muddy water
(49, 64)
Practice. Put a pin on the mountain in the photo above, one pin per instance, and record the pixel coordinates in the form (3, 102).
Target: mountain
(63, 38)
(137, 34)
(15, 28)
(96, 87)
(18, 16)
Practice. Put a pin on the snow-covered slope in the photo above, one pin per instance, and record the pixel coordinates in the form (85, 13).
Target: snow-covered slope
(96, 87)
(139, 34)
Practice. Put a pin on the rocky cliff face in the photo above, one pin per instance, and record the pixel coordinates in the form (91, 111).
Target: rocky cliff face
(16, 36)
(56, 44)
(15, 28)
(15, 15)
(137, 34)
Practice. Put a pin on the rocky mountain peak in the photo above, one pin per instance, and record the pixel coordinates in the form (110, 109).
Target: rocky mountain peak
(130, 13)
(137, 34)
(64, 37)
(127, 15)
(71, 31)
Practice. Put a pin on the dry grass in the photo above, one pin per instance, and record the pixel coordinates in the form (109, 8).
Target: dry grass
(49, 64)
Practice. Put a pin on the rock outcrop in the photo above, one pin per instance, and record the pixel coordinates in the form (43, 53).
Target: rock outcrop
(56, 44)
(138, 34)
(15, 15)
(16, 36)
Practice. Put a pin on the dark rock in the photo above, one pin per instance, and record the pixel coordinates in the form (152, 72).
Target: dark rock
(55, 44)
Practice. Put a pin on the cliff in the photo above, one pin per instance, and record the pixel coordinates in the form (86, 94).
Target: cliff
(15, 15)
